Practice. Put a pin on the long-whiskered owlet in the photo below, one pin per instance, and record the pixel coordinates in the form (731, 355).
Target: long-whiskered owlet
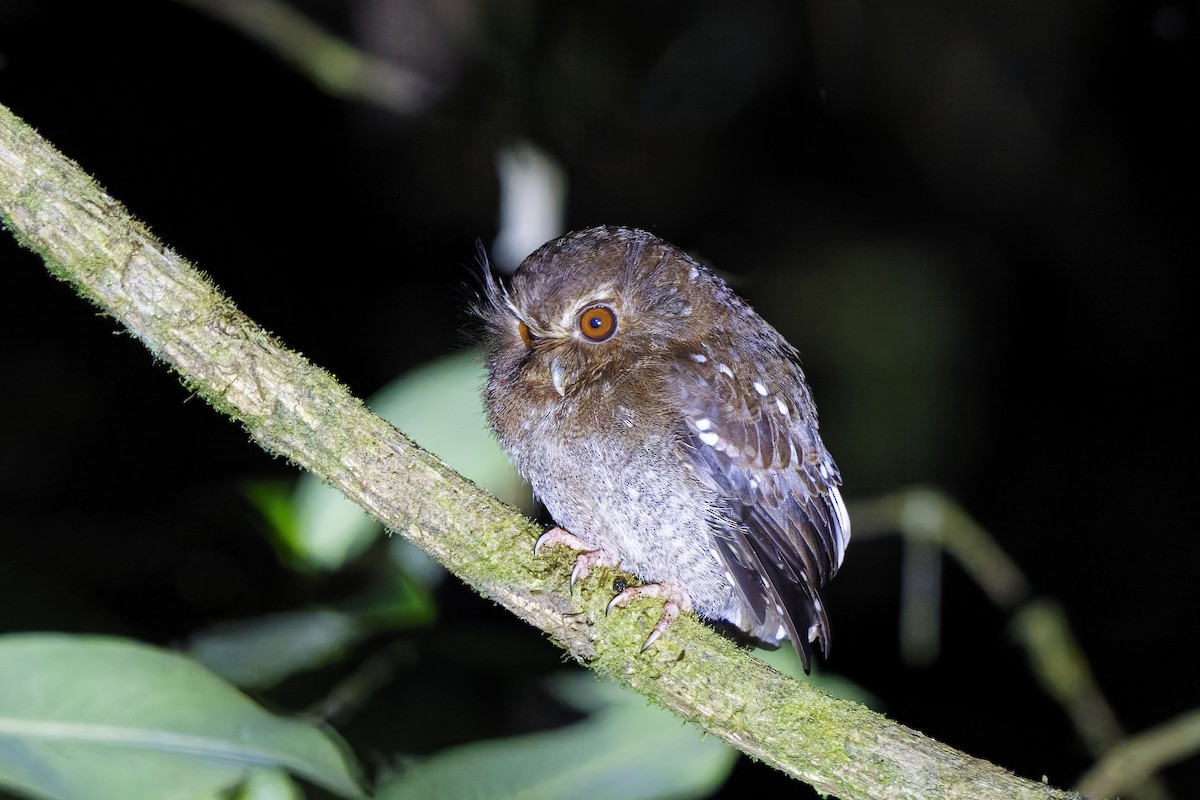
(668, 428)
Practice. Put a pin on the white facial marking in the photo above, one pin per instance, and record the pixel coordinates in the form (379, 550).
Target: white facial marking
(558, 378)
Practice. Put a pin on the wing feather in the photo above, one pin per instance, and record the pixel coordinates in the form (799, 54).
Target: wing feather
(753, 439)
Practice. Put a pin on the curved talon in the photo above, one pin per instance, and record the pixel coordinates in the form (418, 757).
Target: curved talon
(676, 598)
(670, 612)
(578, 572)
(589, 556)
(587, 560)
(613, 603)
(677, 601)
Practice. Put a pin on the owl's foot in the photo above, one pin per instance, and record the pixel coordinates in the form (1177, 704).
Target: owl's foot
(677, 602)
(589, 556)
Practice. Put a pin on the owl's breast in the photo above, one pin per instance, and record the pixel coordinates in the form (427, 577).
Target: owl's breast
(615, 476)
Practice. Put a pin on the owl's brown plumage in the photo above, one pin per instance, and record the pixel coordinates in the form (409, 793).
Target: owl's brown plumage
(669, 428)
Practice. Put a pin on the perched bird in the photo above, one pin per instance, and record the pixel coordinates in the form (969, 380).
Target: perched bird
(668, 430)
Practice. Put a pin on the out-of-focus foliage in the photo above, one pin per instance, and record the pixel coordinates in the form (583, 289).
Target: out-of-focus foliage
(438, 406)
(623, 750)
(92, 718)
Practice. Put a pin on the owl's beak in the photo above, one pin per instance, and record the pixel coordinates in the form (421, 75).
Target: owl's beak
(558, 378)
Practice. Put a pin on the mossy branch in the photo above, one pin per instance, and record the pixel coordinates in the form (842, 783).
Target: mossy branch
(293, 409)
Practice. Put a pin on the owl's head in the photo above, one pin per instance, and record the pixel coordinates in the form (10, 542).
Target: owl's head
(594, 306)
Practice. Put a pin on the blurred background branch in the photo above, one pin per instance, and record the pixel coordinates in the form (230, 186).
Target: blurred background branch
(1126, 769)
(332, 63)
(930, 524)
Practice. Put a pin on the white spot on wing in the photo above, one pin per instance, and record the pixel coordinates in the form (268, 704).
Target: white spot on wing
(842, 527)
(703, 424)
(710, 439)
(699, 358)
(760, 388)
(782, 406)
(725, 369)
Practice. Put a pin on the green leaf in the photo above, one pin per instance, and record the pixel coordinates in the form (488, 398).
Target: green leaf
(93, 718)
(437, 405)
(625, 750)
(262, 651)
(268, 784)
(259, 652)
(274, 500)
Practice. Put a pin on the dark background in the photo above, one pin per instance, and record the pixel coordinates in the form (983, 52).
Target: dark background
(976, 221)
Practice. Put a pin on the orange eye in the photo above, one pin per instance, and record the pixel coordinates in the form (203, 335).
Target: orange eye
(526, 336)
(598, 323)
